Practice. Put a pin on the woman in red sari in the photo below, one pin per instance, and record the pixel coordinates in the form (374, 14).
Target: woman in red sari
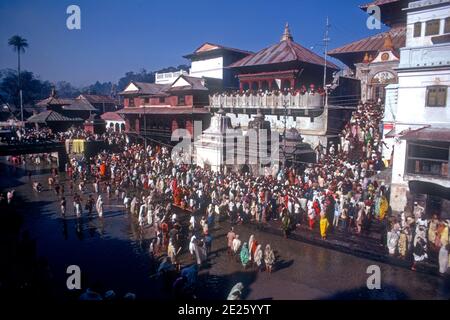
(177, 195)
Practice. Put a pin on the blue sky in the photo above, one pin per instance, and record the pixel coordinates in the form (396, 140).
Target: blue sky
(120, 36)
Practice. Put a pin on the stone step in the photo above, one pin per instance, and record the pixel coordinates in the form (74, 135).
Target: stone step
(369, 250)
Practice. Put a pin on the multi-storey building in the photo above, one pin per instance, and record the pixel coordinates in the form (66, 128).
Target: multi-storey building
(422, 118)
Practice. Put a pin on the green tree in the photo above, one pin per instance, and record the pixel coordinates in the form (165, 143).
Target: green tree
(19, 45)
(34, 89)
(142, 76)
(65, 89)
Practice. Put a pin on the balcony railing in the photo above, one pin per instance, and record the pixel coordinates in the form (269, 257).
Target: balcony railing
(270, 100)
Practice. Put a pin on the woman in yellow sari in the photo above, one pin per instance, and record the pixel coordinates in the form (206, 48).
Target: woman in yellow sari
(324, 224)
(384, 206)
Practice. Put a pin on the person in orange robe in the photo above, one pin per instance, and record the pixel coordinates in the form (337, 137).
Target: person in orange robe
(102, 169)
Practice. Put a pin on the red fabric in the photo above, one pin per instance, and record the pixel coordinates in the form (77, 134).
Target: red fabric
(311, 223)
(102, 169)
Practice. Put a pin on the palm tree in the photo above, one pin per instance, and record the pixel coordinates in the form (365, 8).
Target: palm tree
(19, 44)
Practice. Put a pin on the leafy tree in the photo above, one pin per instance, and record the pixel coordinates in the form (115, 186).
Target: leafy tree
(142, 76)
(33, 88)
(104, 88)
(65, 90)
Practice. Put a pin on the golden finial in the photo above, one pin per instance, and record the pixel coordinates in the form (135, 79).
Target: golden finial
(287, 34)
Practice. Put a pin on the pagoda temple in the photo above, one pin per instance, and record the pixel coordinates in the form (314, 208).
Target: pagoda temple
(59, 114)
(284, 83)
(284, 65)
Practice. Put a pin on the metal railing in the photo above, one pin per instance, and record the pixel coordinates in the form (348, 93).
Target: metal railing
(267, 100)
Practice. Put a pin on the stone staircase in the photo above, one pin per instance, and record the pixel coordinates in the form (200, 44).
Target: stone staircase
(368, 245)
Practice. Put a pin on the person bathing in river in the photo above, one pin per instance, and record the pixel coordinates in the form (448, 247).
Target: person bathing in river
(99, 206)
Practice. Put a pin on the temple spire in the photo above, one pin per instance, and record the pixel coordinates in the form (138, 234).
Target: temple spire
(388, 45)
(287, 34)
(366, 58)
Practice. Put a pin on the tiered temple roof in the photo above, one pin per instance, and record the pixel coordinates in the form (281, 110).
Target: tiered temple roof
(392, 15)
(51, 116)
(284, 52)
(354, 52)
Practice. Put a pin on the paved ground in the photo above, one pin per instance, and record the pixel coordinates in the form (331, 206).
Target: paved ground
(114, 251)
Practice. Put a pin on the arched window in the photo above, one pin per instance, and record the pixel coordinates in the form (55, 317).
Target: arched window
(265, 85)
(379, 83)
(286, 84)
(275, 85)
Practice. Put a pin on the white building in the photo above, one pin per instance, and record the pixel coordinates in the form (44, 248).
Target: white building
(211, 61)
(422, 117)
(114, 121)
(168, 77)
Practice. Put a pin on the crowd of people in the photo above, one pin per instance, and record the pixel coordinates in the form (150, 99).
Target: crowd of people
(303, 89)
(250, 253)
(338, 192)
(411, 234)
(44, 135)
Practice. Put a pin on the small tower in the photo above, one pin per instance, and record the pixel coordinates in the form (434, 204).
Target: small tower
(366, 58)
(388, 44)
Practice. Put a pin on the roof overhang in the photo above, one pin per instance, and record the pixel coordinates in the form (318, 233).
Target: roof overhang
(427, 134)
(425, 187)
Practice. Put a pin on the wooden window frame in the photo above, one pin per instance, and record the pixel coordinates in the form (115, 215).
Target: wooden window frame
(417, 29)
(428, 25)
(436, 90)
(447, 25)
